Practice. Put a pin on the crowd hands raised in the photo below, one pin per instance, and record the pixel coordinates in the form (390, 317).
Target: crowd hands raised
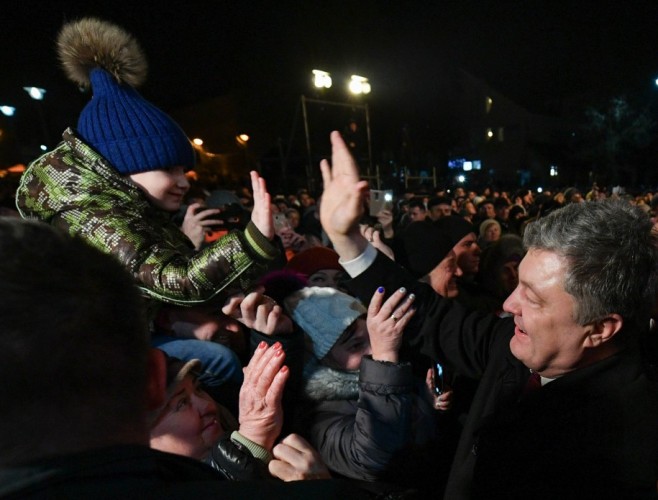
(159, 337)
(356, 400)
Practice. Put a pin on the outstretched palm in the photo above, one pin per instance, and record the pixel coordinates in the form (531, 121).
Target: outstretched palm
(342, 198)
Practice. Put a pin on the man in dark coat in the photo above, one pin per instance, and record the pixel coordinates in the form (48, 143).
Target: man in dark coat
(586, 288)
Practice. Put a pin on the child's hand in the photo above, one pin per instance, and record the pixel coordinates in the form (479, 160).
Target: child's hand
(259, 312)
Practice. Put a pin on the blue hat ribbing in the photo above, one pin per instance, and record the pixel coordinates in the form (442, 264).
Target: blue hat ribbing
(130, 132)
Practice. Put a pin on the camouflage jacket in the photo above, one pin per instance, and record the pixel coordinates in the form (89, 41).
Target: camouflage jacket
(75, 188)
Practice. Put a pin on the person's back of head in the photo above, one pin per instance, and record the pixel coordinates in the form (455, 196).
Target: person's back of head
(74, 346)
(611, 255)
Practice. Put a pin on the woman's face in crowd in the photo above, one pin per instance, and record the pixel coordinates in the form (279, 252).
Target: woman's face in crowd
(352, 345)
(164, 188)
(327, 277)
(492, 233)
(188, 425)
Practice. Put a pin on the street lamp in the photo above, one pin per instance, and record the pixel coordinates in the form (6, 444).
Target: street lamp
(35, 93)
(38, 94)
(243, 142)
(359, 85)
(321, 79)
(7, 110)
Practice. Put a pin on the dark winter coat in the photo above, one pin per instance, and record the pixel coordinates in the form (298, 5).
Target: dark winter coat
(592, 433)
(363, 422)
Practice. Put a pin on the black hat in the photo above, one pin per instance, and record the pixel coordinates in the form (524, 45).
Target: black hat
(425, 246)
(455, 226)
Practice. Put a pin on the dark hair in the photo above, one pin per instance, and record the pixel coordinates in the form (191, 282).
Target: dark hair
(439, 200)
(416, 202)
(74, 345)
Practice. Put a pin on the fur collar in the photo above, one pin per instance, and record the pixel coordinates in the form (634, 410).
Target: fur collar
(322, 383)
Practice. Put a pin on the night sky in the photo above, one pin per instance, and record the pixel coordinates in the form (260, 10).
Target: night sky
(545, 55)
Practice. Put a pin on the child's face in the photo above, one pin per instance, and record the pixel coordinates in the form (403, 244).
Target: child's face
(164, 188)
(350, 348)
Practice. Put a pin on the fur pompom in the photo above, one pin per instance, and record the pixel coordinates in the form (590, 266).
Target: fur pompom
(90, 43)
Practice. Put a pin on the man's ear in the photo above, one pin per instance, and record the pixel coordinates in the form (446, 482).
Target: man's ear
(156, 379)
(604, 330)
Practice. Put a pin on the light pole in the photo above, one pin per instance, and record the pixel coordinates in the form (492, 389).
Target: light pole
(38, 94)
(243, 142)
(356, 85)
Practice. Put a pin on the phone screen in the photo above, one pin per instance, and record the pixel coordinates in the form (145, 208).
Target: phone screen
(437, 377)
(380, 200)
(280, 222)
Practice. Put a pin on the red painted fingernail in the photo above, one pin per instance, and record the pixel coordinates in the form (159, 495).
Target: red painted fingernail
(284, 369)
(278, 353)
(262, 344)
(277, 346)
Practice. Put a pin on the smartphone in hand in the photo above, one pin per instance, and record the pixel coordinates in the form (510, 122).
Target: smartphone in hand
(437, 378)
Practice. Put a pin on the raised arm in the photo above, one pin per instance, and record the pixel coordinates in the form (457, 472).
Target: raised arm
(342, 201)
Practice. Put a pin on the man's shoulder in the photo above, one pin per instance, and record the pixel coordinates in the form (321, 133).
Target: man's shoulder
(110, 472)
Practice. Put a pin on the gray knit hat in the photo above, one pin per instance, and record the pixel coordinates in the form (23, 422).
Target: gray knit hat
(324, 314)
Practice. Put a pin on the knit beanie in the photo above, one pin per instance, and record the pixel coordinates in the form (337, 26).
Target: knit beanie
(128, 131)
(425, 245)
(485, 225)
(455, 226)
(323, 314)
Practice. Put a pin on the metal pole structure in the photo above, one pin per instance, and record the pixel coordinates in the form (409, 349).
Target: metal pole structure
(309, 166)
(305, 100)
(369, 143)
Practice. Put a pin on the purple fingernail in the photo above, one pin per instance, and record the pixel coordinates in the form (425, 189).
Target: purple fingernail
(380, 289)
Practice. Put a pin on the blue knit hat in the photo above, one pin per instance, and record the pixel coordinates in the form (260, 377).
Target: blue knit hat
(127, 130)
(130, 132)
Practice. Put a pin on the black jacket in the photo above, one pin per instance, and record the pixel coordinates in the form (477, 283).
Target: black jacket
(592, 433)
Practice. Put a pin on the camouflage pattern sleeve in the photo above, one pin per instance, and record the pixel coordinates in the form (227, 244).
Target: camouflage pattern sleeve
(76, 189)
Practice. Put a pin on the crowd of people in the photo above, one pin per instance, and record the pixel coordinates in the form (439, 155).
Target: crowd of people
(167, 339)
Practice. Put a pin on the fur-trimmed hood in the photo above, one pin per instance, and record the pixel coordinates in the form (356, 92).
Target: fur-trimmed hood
(322, 383)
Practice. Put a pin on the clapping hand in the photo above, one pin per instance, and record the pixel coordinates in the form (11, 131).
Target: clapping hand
(260, 413)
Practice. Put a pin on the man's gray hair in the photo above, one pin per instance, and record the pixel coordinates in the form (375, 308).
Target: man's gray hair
(612, 257)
